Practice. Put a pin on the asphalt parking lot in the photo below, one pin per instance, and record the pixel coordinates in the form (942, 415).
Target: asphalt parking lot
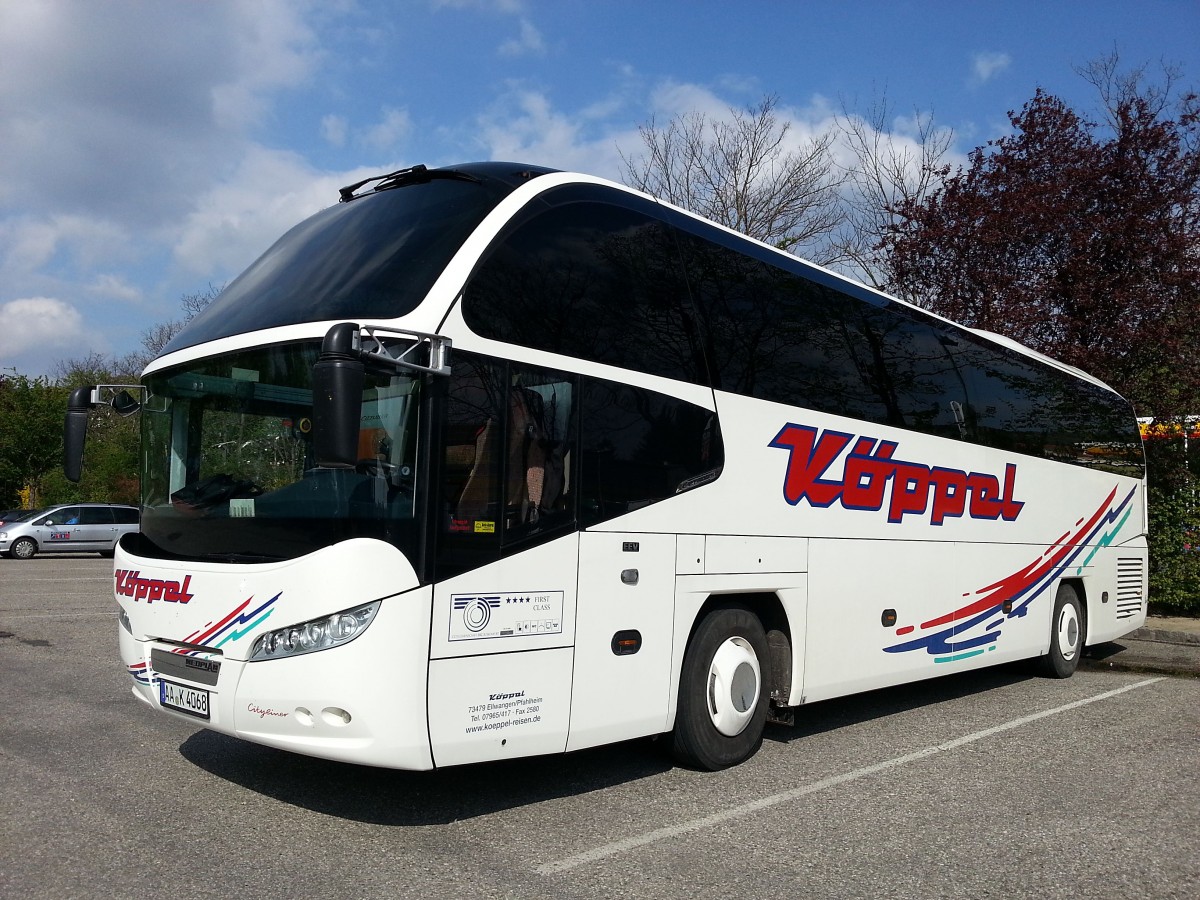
(992, 784)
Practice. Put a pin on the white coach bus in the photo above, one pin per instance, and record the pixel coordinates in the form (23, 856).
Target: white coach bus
(493, 461)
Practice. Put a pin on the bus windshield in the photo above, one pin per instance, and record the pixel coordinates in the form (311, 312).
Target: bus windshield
(375, 257)
(228, 469)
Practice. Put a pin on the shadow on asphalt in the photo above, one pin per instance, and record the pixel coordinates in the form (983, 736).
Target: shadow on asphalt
(390, 797)
(843, 712)
(1101, 652)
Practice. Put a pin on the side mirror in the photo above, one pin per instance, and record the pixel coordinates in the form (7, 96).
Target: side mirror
(125, 404)
(337, 398)
(75, 431)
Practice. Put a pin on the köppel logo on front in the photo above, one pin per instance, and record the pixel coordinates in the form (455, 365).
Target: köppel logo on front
(872, 478)
(131, 584)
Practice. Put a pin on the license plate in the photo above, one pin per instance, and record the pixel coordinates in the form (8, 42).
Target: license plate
(192, 701)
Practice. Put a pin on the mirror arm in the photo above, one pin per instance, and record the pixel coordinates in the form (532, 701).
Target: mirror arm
(347, 352)
(79, 403)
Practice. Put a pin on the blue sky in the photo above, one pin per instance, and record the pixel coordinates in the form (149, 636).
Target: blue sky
(151, 148)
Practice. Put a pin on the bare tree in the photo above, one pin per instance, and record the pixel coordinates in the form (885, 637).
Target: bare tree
(1122, 90)
(741, 173)
(888, 172)
(97, 368)
(156, 337)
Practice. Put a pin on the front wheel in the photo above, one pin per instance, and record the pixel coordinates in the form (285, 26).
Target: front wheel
(23, 548)
(722, 697)
(1066, 635)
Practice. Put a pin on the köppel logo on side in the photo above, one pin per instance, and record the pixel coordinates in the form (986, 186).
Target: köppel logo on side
(872, 478)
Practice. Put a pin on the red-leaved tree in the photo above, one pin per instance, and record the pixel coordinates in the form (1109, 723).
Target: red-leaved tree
(1079, 239)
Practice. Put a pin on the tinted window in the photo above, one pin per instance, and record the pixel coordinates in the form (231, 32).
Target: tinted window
(1019, 405)
(785, 338)
(125, 516)
(591, 280)
(473, 441)
(639, 447)
(375, 257)
(789, 336)
(529, 454)
(96, 515)
(506, 480)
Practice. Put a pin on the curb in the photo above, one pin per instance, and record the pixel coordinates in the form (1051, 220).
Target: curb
(1155, 651)
(1164, 637)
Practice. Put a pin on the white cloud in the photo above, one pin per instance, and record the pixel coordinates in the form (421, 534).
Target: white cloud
(388, 133)
(985, 66)
(33, 327)
(523, 126)
(115, 117)
(528, 41)
(509, 7)
(30, 244)
(236, 220)
(114, 287)
(123, 110)
(673, 98)
(273, 47)
(333, 130)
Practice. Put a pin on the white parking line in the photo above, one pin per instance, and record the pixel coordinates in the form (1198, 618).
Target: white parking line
(99, 578)
(107, 613)
(745, 809)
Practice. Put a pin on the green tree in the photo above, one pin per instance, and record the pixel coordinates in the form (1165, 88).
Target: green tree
(111, 461)
(31, 430)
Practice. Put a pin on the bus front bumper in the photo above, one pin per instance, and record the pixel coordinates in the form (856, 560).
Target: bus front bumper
(363, 702)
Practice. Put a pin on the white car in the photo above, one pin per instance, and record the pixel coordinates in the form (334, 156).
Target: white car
(69, 528)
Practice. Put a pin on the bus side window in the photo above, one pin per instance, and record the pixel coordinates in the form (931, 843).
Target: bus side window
(541, 436)
(639, 447)
(471, 476)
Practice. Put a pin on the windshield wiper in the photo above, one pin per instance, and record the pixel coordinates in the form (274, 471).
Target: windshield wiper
(417, 174)
(242, 557)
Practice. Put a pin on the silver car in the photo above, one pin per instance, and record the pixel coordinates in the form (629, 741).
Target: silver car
(69, 528)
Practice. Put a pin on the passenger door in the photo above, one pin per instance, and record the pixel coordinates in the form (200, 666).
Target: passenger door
(507, 554)
(59, 531)
(97, 529)
(622, 682)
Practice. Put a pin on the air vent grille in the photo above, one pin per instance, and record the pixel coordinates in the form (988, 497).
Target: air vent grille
(1131, 587)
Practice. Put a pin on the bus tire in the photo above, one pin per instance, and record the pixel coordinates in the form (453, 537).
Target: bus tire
(1066, 635)
(722, 695)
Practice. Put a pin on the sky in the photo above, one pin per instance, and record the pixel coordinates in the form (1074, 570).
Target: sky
(154, 148)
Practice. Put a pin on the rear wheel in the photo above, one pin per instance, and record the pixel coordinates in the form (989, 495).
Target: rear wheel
(23, 548)
(1066, 635)
(722, 697)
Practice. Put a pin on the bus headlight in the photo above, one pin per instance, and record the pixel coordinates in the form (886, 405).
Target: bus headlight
(315, 634)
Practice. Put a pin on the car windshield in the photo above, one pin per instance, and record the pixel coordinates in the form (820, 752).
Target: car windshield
(228, 469)
(23, 515)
